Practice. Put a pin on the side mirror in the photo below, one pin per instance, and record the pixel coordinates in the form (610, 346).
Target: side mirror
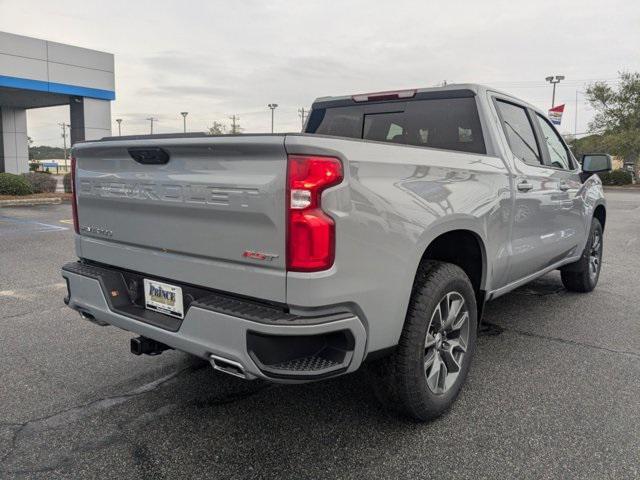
(596, 163)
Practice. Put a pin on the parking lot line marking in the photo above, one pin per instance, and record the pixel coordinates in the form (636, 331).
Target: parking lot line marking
(66, 221)
(32, 292)
(37, 227)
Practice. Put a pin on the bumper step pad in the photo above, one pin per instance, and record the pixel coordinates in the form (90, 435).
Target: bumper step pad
(306, 364)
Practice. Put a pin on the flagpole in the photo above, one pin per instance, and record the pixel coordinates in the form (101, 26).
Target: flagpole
(575, 121)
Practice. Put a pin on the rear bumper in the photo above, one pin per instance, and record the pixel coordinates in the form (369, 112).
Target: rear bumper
(280, 348)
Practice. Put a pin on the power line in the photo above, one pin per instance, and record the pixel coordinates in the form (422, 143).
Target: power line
(543, 84)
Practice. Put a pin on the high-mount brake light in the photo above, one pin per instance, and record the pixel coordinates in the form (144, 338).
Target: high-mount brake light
(311, 232)
(74, 195)
(380, 96)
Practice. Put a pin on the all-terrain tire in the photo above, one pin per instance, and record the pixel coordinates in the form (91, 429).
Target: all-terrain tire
(582, 276)
(400, 379)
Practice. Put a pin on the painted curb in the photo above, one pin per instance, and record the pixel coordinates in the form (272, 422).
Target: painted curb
(30, 202)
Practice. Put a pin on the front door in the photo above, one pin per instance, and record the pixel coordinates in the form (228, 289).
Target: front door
(571, 211)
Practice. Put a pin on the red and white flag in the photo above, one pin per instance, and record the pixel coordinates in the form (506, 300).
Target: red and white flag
(555, 114)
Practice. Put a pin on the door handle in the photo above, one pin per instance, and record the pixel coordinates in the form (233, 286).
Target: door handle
(525, 186)
(564, 186)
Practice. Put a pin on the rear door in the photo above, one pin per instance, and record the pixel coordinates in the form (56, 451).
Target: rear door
(537, 228)
(197, 218)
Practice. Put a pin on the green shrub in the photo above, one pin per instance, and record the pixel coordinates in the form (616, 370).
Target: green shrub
(41, 182)
(616, 177)
(66, 182)
(11, 184)
(33, 166)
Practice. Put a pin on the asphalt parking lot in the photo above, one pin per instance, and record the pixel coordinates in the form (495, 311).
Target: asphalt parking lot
(554, 391)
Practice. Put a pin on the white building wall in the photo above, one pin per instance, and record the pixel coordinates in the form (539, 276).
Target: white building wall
(15, 146)
(34, 59)
(51, 71)
(97, 119)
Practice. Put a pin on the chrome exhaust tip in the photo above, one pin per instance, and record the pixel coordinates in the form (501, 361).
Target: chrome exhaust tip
(88, 316)
(227, 366)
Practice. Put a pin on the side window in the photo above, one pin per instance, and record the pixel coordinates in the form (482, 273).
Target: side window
(341, 122)
(446, 123)
(558, 154)
(519, 132)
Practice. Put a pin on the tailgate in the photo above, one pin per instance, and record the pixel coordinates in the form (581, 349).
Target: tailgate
(192, 218)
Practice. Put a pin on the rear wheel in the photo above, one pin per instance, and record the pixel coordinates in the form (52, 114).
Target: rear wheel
(582, 276)
(422, 378)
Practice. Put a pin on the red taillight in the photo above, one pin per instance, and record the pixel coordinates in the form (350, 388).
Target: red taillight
(74, 196)
(311, 232)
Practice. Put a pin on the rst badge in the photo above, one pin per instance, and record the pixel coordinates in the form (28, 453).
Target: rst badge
(265, 257)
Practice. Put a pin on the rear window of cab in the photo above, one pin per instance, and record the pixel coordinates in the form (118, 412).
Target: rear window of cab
(445, 123)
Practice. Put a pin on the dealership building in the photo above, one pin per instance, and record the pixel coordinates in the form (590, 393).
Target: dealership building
(37, 73)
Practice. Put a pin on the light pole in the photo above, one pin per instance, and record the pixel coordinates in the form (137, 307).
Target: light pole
(184, 120)
(554, 81)
(151, 120)
(119, 122)
(272, 106)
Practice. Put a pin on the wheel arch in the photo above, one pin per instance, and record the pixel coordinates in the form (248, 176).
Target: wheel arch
(464, 247)
(600, 212)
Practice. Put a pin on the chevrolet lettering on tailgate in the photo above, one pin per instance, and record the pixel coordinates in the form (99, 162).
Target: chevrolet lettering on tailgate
(170, 192)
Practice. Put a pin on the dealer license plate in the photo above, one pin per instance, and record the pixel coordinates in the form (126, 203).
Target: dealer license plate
(163, 298)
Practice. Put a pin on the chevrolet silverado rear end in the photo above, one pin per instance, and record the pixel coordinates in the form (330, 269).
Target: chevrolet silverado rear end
(375, 236)
(185, 243)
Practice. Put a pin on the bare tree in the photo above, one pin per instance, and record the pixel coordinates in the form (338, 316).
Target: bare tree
(217, 128)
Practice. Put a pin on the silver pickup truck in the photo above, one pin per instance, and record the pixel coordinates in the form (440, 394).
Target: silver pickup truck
(374, 238)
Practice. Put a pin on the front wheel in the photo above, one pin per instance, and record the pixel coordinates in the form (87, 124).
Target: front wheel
(582, 276)
(423, 376)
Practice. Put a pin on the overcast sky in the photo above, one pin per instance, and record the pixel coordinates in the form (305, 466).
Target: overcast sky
(216, 58)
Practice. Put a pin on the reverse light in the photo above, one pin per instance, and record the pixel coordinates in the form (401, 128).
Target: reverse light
(74, 196)
(311, 232)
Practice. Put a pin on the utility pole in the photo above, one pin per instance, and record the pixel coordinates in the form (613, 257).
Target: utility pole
(303, 115)
(272, 106)
(64, 141)
(184, 121)
(151, 120)
(234, 126)
(119, 122)
(554, 81)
